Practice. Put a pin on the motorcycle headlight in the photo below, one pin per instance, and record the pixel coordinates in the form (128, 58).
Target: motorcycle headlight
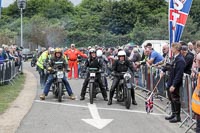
(127, 76)
(60, 74)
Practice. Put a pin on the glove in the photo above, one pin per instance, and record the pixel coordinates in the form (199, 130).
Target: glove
(45, 65)
(68, 69)
(49, 68)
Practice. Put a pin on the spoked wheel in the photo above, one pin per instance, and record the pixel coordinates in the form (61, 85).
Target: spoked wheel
(127, 98)
(91, 87)
(120, 94)
(60, 92)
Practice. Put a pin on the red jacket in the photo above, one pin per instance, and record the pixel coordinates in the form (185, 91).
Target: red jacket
(73, 54)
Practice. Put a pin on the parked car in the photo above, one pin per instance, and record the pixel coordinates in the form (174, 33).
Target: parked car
(27, 54)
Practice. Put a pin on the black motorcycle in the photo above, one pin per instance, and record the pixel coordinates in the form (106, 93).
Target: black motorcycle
(58, 86)
(33, 61)
(93, 85)
(123, 91)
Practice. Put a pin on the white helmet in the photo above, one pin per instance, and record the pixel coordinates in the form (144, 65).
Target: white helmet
(121, 53)
(52, 50)
(99, 53)
(92, 50)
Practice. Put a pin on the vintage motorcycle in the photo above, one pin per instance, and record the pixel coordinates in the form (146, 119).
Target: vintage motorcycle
(58, 86)
(33, 61)
(123, 90)
(93, 85)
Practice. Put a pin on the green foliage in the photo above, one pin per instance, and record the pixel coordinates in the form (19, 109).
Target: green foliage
(195, 12)
(8, 93)
(93, 22)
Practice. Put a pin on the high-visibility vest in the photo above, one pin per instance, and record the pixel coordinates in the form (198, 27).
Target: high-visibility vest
(196, 97)
(42, 59)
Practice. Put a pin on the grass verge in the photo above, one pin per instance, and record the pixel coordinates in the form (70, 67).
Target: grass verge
(8, 93)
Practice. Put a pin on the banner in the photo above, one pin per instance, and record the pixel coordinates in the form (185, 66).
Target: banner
(178, 13)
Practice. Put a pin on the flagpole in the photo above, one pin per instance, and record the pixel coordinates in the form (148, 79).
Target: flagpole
(169, 29)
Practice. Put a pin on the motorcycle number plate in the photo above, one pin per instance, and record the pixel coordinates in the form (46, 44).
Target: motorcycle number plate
(128, 86)
(60, 74)
(92, 74)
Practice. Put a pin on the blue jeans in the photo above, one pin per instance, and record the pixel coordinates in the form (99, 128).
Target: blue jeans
(50, 81)
(42, 76)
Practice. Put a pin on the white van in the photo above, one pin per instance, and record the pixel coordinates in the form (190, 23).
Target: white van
(156, 44)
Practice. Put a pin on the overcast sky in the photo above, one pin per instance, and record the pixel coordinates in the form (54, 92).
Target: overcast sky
(5, 3)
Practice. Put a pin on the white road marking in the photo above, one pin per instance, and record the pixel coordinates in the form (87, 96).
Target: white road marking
(96, 121)
(100, 108)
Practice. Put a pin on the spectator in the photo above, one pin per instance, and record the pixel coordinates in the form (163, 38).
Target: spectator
(188, 59)
(1, 56)
(175, 82)
(165, 50)
(191, 48)
(196, 97)
(154, 57)
(135, 55)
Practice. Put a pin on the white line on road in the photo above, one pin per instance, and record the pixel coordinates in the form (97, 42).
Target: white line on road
(96, 121)
(100, 108)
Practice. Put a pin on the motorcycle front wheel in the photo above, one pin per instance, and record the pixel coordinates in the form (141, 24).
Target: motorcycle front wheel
(127, 98)
(60, 92)
(91, 88)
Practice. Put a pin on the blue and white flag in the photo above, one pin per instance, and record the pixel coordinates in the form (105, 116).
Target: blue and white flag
(178, 14)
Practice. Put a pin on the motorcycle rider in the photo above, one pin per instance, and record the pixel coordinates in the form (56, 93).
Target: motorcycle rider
(40, 66)
(121, 65)
(105, 61)
(57, 58)
(93, 62)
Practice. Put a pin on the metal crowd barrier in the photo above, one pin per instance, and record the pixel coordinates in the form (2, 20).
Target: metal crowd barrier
(148, 77)
(8, 71)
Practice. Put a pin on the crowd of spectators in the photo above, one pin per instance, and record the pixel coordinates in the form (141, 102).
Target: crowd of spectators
(11, 53)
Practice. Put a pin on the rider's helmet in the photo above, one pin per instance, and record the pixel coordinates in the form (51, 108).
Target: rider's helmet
(58, 50)
(99, 53)
(52, 50)
(92, 50)
(120, 48)
(121, 53)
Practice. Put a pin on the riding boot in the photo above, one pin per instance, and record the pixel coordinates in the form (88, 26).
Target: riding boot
(177, 117)
(104, 94)
(83, 91)
(133, 97)
(110, 97)
(173, 112)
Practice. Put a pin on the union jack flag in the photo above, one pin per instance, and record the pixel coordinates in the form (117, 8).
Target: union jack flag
(178, 14)
(149, 104)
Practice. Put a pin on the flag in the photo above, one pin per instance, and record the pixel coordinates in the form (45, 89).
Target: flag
(178, 13)
(149, 104)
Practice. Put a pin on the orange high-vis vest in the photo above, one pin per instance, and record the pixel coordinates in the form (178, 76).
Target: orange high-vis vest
(196, 97)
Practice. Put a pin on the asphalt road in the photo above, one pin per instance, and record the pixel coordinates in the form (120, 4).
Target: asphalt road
(75, 116)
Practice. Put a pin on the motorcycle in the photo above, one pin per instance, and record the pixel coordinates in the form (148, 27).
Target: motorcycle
(93, 85)
(33, 61)
(82, 73)
(123, 90)
(58, 86)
